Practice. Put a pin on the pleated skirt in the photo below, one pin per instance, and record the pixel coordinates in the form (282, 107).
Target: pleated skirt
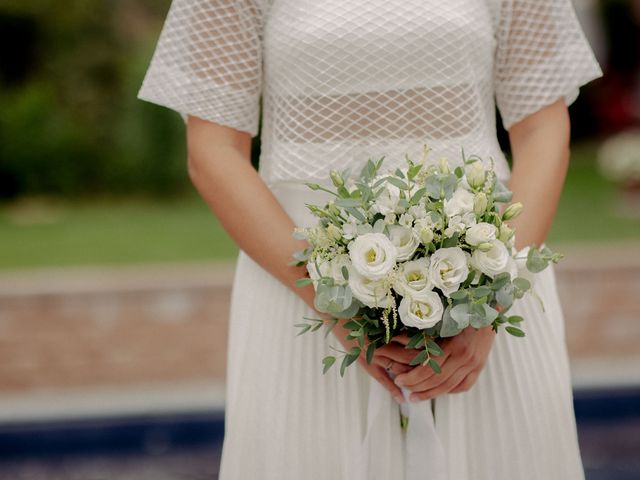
(286, 420)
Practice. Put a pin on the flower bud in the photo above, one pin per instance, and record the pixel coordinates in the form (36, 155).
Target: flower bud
(334, 210)
(334, 232)
(512, 211)
(480, 203)
(506, 232)
(313, 186)
(485, 247)
(444, 165)
(426, 235)
(475, 174)
(336, 178)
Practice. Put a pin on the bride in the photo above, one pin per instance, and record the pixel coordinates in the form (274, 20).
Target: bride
(342, 81)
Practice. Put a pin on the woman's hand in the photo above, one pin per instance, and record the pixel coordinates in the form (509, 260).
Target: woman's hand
(465, 355)
(393, 355)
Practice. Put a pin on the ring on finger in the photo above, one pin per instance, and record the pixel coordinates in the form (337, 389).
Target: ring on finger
(388, 367)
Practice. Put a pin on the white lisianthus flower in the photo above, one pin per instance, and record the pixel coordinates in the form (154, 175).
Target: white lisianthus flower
(481, 233)
(373, 255)
(406, 220)
(448, 269)
(373, 293)
(492, 261)
(476, 174)
(459, 223)
(418, 211)
(390, 218)
(404, 240)
(387, 201)
(423, 313)
(349, 230)
(412, 279)
(461, 202)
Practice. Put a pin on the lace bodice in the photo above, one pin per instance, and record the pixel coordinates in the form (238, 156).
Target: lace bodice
(345, 80)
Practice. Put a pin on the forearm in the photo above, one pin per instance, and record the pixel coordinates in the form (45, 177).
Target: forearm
(540, 160)
(246, 208)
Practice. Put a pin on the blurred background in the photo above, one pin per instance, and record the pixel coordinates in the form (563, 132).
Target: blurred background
(115, 277)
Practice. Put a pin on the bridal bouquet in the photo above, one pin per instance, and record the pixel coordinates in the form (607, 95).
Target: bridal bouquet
(422, 250)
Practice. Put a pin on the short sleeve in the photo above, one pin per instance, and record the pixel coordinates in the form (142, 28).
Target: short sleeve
(208, 62)
(541, 55)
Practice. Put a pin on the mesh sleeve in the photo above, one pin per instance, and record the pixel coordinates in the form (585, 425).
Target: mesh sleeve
(208, 62)
(541, 55)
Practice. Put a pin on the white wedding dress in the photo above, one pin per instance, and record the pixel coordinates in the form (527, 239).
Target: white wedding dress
(343, 80)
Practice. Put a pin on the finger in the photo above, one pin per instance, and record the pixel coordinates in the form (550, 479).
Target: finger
(468, 382)
(421, 372)
(396, 367)
(397, 352)
(383, 378)
(402, 338)
(441, 389)
(453, 367)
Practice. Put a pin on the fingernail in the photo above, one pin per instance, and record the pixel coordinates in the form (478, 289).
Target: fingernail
(400, 383)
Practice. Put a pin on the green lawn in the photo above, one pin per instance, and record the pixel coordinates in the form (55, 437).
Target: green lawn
(44, 233)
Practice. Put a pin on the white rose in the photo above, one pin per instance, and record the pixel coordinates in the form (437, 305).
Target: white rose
(481, 233)
(423, 313)
(412, 279)
(448, 269)
(493, 261)
(373, 293)
(404, 240)
(373, 255)
(461, 202)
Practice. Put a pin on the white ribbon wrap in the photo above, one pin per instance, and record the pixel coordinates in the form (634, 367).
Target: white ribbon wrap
(424, 453)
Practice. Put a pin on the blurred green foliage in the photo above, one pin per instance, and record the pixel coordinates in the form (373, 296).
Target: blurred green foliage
(70, 122)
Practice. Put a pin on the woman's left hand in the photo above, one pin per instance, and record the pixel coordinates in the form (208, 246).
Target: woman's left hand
(465, 355)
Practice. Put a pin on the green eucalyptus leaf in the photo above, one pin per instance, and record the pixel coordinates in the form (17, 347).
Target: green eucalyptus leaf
(347, 202)
(434, 348)
(303, 282)
(515, 331)
(328, 362)
(459, 295)
(419, 358)
(515, 319)
(370, 350)
(505, 296)
(522, 283)
(536, 262)
(398, 183)
(500, 280)
(434, 366)
(449, 327)
(417, 195)
(415, 341)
